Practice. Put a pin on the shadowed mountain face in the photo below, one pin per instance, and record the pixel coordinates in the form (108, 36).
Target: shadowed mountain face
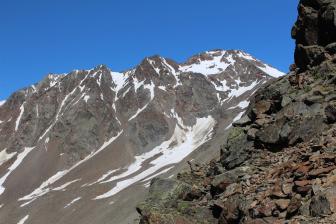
(82, 147)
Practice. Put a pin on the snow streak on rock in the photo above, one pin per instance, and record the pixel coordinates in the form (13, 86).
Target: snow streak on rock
(18, 161)
(181, 144)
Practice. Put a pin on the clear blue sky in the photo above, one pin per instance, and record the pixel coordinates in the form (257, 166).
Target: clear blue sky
(46, 36)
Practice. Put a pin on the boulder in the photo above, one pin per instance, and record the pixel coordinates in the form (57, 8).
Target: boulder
(319, 206)
(282, 204)
(309, 56)
(242, 122)
(330, 112)
(294, 205)
(236, 150)
(261, 107)
(270, 134)
(232, 210)
(331, 48)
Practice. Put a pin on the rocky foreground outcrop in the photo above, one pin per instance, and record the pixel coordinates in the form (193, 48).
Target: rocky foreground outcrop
(314, 32)
(278, 164)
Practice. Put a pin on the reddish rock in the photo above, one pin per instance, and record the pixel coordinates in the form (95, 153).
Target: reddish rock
(302, 183)
(266, 209)
(321, 171)
(282, 204)
(303, 169)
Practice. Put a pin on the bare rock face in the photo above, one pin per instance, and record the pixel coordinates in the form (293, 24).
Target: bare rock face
(91, 140)
(314, 32)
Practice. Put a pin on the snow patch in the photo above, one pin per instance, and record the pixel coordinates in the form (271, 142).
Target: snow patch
(17, 123)
(236, 118)
(242, 105)
(157, 174)
(119, 80)
(183, 141)
(45, 187)
(86, 98)
(4, 156)
(23, 220)
(242, 89)
(271, 71)
(72, 202)
(17, 163)
(207, 67)
(64, 186)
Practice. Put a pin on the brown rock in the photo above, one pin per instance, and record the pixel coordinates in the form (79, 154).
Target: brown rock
(251, 133)
(303, 169)
(277, 191)
(287, 188)
(262, 121)
(303, 190)
(232, 189)
(331, 196)
(261, 107)
(282, 204)
(266, 209)
(331, 180)
(321, 171)
(302, 183)
(294, 206)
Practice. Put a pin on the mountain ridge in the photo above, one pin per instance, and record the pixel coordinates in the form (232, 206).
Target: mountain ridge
(95, 135)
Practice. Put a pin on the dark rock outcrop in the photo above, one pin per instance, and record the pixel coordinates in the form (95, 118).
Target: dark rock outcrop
(314, 32)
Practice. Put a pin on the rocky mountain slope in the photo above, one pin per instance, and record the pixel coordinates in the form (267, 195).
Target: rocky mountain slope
(82, 147)
(278, 164)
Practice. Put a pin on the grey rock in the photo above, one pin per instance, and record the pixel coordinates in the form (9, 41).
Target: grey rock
(330, 112)
(236, 150)
(319, 206)
(245, 120)
(331, 48)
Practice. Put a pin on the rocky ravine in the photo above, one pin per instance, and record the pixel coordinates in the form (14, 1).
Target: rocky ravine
(82, 147)
(278, 164)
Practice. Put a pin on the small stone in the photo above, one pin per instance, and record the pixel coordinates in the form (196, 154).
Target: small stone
(251, 133)
(277, 191)
(313, 99)
(294, 205)
(319, 206)
(321, 171)
(282, 204)
(331, 180)
(242, 122)
(232, 189)
(330, 97)
(302, 183)
(330, 112)
(261, 107)
(301, 171)
(285, 101)
(287, 188)
(266, 210)
(303, 190)
(331, 48)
